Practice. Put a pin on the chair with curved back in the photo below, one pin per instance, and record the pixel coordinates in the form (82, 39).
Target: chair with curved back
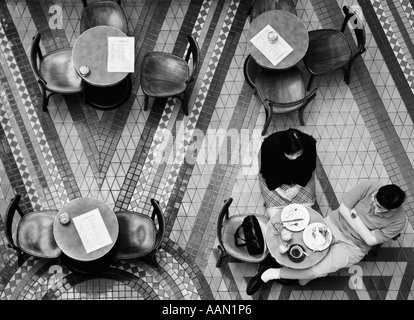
(329, 49)
(226, 227)
(250, 70)
(33, 234)
(166, 75)
(103, 13)
(54, 71)
(260, 6)
(139, 236)
(283, 92)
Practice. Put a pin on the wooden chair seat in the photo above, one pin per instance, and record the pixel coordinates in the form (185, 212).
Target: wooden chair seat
(103, 13)
(166, 75)
(328, 50)
(137, 235)
(59, 73)
(54, 72)
(229, 228)
(163, 74)
(283, 92)
(34, 234)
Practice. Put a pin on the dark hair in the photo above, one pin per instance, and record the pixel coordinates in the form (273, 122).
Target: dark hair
(291, 142)
(390, 196)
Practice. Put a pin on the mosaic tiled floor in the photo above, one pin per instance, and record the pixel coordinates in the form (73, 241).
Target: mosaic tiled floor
(364, 131)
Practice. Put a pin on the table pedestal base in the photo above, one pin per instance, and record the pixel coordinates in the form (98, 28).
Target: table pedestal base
(87, 267)
(107, 98)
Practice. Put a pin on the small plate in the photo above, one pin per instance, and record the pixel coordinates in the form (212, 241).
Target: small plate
(295, 211)
(311, 241)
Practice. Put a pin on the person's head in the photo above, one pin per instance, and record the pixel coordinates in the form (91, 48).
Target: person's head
(388, 197)
(291, 144)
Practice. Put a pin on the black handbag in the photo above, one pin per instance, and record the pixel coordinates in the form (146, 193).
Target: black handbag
(253, 236)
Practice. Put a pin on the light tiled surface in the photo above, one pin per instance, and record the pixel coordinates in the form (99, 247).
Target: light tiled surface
(364, 131)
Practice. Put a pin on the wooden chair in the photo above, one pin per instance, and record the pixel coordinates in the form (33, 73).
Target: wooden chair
(226, 227)
(33, 234)
(283, 92)
(103, 13)
(54, 71)
(139, 236)
(260, 6)
(329, 49)
(251, 69)
(166, 75)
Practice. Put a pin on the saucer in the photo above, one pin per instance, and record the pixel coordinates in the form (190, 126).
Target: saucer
(292, 258)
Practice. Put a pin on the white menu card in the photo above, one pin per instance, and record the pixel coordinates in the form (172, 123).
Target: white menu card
(121, 54)
(92, 230)
(275, 52)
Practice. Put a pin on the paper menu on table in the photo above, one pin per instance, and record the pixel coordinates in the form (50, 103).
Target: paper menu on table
(121, 54)
(275, 52)
(92, 230)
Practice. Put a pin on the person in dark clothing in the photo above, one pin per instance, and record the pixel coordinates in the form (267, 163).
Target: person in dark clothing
(287, 163)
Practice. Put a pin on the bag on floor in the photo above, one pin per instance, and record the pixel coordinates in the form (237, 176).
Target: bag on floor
(253, 236)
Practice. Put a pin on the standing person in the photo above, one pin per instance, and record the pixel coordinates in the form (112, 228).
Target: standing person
(287, 161)
(369, 214)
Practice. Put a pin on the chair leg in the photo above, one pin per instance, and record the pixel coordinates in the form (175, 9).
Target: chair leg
(310, 82)
(151, 259)
(222, 255)
(184, 103)
(21, 257)
(347, 75)
(145, 102)
(44, 99)
(267, 123)
(302, 123)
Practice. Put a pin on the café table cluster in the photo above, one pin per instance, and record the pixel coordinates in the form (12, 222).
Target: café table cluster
(86, 231)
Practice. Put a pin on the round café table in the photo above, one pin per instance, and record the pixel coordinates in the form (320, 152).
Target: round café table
(104, 90)
(69, 241)
(274, 240)
(289, 27)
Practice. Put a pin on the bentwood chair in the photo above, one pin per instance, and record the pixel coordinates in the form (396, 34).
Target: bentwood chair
(54, 71)
(139, 236)
(250, 70)
(103, 13)
(283, 92)
(166, 75)
(330, 50)
(260, 6)
(226, 227)
(33, 234)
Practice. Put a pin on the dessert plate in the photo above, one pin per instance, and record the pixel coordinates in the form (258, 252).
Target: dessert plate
(292, 212)
(317, 236)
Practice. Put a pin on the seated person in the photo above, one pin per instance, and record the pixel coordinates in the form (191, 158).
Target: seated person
(369, 214)
(287, 161)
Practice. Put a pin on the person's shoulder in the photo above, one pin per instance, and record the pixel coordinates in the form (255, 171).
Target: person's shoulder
(400, 215)
(370, 184)
(307, 138)
(272, 139)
